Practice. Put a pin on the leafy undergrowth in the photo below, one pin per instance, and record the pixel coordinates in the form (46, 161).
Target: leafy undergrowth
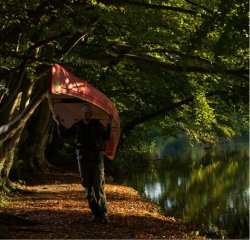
(55, 207)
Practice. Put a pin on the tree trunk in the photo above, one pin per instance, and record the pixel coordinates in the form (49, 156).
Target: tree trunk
(16, 116)
(8, 150)
(8, 147)
(33, 147)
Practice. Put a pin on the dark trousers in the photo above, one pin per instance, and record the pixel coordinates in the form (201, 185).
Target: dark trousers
(91, 169)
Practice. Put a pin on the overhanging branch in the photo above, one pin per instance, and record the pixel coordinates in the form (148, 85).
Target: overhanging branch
(166, 67)
(159, 112)
(147, 5)
(154, 114)
(198, 5)
(243, 73)
(76, 38)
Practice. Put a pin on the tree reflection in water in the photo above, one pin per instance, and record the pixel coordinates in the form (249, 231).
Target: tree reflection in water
(202, 186)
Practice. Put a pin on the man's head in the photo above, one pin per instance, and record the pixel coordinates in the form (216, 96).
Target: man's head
(86, 111)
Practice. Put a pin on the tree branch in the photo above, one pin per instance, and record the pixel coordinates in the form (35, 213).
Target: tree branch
(152, 115)
(161, 112)
(147, 5)
(198, 5)
(174, 52)
(172, 67)
(9, 129)
(166, 67)
(19, 79)
(76, 38)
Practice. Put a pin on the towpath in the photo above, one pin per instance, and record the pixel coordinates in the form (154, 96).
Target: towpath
(54, 206)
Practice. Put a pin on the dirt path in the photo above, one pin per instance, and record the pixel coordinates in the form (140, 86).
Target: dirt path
(55, 207)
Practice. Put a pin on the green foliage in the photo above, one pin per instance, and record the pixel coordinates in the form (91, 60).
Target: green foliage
(3, 88)
(179, 65)
(134, 155)
(3, 189)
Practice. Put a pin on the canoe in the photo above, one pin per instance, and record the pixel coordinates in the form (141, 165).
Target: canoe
(67, 94)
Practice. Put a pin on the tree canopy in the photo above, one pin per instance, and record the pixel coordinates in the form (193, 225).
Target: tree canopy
(178, 65)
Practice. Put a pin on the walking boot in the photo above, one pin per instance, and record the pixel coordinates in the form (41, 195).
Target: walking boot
(95, 219)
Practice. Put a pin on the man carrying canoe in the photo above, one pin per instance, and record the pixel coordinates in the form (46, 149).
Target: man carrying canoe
(90, 138)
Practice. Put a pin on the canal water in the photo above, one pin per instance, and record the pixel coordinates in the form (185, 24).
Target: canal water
(202, 185)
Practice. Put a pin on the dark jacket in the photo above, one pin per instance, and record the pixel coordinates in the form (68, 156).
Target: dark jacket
(89, 137)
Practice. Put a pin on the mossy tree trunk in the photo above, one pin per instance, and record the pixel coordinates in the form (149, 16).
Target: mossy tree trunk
(17, 115)
(8, 151)
(10, 110)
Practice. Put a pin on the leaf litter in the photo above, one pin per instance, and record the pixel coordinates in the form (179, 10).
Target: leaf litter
(54, 207)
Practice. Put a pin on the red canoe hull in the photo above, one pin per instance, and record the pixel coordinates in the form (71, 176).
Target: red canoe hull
(66, 96)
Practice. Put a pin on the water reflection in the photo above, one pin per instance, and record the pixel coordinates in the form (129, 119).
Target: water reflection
(153, 191)
(202, 186)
